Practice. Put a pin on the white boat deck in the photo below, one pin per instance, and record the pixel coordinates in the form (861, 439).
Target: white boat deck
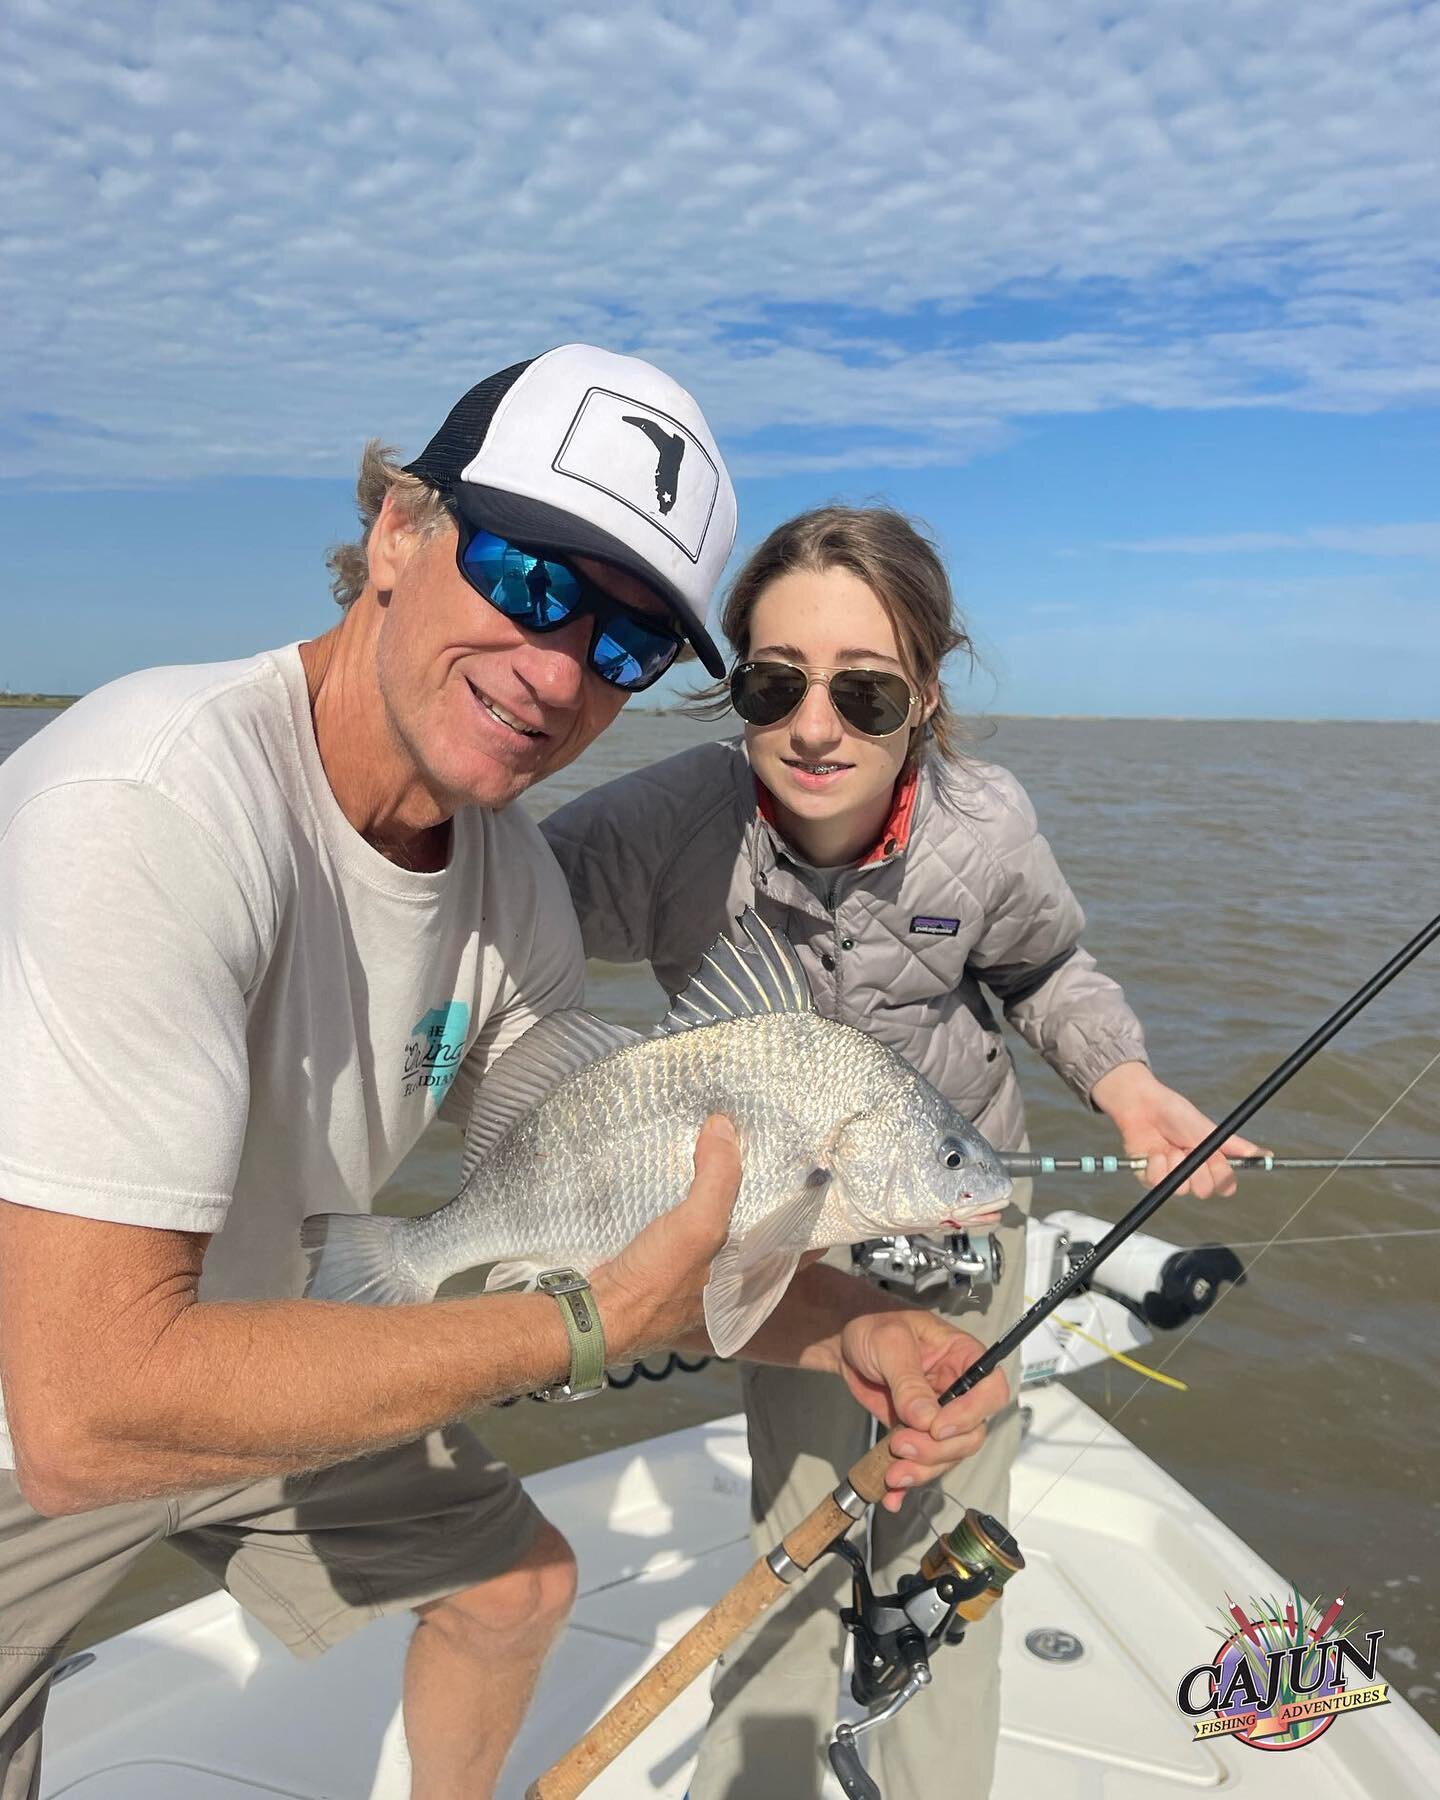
(203, 1705)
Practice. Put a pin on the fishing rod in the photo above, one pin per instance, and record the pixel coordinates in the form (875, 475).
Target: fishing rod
(823, 1530)
(1021, 1163)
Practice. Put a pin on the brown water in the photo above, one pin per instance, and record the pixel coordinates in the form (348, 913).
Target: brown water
(1240, 880)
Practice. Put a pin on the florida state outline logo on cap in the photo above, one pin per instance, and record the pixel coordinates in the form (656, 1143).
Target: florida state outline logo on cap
(648, 461)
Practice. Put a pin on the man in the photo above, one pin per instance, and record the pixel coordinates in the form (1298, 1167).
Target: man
(254, 914)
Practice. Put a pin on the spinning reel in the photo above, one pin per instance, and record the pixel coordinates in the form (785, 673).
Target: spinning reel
(895, 1635)
(918, 1266)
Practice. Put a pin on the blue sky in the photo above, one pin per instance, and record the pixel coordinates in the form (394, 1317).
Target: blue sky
(1135, 305)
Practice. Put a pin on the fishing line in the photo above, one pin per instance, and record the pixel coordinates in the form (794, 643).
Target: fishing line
(1342, 1237)
(1200, 1318)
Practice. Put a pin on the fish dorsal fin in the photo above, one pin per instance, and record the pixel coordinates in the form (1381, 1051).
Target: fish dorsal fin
(553, 1049)
(739, 978)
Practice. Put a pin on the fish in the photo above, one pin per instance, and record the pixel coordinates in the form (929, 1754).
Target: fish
(584, 1131)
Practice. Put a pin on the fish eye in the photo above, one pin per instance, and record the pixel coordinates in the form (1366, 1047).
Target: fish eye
(951, 1153)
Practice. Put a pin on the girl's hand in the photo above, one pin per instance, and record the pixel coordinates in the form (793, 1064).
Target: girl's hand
(1162, 1126)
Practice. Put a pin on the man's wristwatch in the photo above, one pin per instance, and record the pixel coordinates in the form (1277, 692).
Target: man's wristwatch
(571, 1291)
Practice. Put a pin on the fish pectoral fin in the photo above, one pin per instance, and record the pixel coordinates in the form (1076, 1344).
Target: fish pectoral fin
(516, 1273)
(751, 1273)
(740, 1296)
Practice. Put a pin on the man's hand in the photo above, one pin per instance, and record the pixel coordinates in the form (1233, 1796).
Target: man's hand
(894, 1358)
(650, 1295)
(895, 1363)
(1162, 1126)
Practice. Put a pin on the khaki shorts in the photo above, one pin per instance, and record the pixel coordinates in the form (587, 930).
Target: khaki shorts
(312, 1556)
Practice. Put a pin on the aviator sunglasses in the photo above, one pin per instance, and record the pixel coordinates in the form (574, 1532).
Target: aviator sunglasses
(628, 648)
(873, 702)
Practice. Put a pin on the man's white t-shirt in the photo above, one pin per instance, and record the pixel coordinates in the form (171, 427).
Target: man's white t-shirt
(222, 1010)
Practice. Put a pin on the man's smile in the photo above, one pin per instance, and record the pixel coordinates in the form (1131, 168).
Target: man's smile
(511, 721)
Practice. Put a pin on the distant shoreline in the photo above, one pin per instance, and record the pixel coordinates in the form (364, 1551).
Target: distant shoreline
(670, 712)
(58, 703)
(1190, 719)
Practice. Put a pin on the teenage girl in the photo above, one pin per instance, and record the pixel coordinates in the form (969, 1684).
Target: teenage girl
(917, 889)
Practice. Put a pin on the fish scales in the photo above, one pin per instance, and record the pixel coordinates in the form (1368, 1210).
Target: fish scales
(614, 1146)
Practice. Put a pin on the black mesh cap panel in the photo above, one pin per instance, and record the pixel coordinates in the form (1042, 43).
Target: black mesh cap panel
(463, 432)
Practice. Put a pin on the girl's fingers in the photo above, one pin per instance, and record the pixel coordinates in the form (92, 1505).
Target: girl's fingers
(1222, 1176)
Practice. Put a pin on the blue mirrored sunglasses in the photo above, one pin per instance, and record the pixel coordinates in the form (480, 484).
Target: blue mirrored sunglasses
(628, 648)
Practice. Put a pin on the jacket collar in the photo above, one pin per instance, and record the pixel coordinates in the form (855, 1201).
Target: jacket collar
(894, 838)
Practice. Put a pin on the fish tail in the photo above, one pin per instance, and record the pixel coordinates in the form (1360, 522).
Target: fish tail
(359, 1256)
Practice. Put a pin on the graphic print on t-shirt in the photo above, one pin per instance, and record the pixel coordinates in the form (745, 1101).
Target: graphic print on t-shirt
(437, 1044)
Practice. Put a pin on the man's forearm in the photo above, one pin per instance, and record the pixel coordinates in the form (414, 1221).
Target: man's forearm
(232, 1391)
(119, 1383)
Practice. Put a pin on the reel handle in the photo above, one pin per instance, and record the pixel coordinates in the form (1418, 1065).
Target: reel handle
(849, 1770)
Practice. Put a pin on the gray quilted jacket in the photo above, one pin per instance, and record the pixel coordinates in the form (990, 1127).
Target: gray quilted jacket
(971, 898)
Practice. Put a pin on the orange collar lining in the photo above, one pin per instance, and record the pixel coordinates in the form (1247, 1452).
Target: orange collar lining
(895, 835)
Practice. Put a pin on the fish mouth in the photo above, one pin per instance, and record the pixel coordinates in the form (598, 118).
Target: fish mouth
(988, 1215)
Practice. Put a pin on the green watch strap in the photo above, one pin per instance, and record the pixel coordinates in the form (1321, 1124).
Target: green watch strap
(571, 1291)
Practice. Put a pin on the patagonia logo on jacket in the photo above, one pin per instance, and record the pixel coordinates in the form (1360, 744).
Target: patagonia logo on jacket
(926, 926)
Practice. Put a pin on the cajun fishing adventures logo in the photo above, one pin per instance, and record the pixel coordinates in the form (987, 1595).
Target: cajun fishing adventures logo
(435, 1049)
(1280, 1679)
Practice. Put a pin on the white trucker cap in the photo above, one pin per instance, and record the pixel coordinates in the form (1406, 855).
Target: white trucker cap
(600, 455)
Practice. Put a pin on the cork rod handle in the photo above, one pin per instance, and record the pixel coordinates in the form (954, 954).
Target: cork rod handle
(692, 1654)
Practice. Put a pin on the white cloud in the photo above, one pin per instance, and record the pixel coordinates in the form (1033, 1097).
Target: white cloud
(241, 238)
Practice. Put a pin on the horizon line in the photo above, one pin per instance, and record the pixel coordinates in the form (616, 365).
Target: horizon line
(1152, 718)
(48, 700)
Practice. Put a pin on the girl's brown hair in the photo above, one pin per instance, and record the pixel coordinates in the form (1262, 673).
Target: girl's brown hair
(900, 566)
